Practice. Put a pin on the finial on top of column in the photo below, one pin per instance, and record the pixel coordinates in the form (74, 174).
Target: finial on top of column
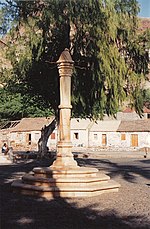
(65, 57)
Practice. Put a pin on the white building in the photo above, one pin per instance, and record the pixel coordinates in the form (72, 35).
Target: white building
(80, 129)
(107, 134)
(25, 135)
(104, 134)
(134, 134)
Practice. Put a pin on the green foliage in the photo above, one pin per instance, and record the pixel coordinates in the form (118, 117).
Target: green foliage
(10, 105)
(147, 95)
(110, 57)
(15, 106)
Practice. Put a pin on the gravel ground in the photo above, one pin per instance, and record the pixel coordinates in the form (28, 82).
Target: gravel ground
(129, 208)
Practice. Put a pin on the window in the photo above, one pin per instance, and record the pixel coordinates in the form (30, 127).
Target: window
(76, 135)
(53, 136)
(148, 115)
(95, 137)
(123, 137)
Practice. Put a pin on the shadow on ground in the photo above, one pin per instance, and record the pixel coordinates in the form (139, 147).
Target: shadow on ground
(126, 171)
(25, 212)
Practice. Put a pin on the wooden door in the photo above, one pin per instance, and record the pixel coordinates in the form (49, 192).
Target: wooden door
(28, 139)
(104, 139)
(134, 140)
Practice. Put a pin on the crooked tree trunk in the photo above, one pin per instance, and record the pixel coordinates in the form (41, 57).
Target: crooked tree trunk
(45, 133)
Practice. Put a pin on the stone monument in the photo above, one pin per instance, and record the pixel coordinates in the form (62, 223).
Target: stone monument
(64, 178)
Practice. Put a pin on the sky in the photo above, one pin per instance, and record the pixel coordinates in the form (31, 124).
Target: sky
(145, 8)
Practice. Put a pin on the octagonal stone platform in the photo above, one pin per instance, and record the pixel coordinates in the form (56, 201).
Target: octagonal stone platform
(73, 182)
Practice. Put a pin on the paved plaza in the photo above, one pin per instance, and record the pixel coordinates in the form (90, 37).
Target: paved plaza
(128, 208)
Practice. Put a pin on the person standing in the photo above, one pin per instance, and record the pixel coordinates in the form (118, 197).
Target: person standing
(5, 149)
(147, 146)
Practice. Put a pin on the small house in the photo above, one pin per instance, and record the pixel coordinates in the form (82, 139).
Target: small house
(26, 134)
(80, 132)
(133, 134)
(104, 134)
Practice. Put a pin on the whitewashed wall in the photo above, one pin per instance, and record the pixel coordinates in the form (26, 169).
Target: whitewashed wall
(114, 139)
(85, 139)
(82, 141)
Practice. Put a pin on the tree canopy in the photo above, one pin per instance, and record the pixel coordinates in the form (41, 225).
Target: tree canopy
(110, 55)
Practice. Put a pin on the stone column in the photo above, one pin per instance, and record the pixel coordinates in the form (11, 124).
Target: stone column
(64, 146)
(64, 178)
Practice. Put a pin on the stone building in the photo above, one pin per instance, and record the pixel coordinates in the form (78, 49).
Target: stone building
(108, 134)
(80, 129)
(125, 135)
(25, 135)
(104, 134)
(134, 134)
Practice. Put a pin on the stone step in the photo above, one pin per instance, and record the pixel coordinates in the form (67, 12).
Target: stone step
(49, 172)
(62, 181)
(66, 191)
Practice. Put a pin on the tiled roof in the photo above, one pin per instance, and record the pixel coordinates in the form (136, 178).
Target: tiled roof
(36, 124)
(106, 126)
(134, 126)
(129, 110)
(146, 110)
(31, 124)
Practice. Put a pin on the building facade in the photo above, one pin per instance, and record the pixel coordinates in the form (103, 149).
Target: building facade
(105, 135)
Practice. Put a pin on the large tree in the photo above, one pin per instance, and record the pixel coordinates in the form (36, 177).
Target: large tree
(110, 56)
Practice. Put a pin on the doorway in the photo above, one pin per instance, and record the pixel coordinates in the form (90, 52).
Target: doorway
(104, 139)
(134, 140)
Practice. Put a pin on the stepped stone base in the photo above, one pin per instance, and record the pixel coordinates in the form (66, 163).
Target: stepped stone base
(65, 182)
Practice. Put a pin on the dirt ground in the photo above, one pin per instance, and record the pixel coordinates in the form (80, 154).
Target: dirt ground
(129, 208)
